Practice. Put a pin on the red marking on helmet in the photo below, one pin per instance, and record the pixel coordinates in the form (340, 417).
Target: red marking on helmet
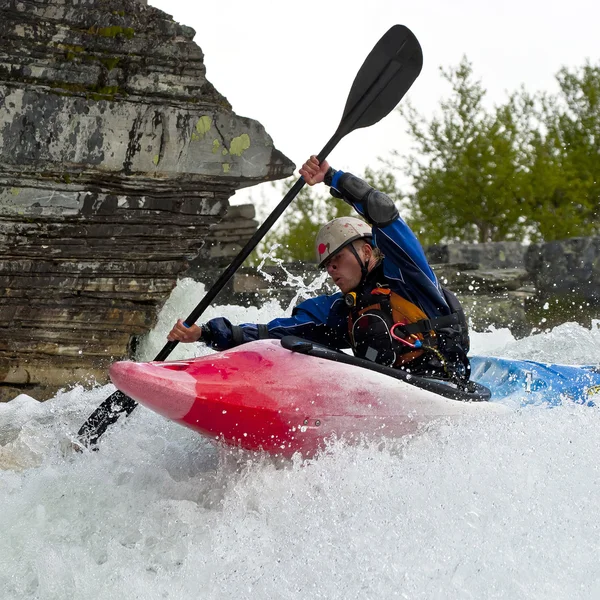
(322, 248)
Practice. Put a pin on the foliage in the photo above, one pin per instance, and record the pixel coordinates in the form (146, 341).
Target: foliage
(468, 171)
(564, 195)
(527, 168)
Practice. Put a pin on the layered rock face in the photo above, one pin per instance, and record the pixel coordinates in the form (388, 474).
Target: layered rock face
(116, 157)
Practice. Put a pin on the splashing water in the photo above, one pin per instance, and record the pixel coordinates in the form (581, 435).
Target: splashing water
(494, 506)
(296, 282)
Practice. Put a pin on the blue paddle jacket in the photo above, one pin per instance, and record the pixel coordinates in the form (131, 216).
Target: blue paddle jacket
(324, 319)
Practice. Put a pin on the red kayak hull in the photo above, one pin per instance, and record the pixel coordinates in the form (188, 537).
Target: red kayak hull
(260, 396)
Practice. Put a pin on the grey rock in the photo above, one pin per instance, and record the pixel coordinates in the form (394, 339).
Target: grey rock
(117, 160)
(566, 267)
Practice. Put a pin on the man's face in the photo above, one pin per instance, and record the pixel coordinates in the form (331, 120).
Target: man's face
(344, 269)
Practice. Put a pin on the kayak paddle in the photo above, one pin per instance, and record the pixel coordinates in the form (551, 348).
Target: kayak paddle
(384, 78)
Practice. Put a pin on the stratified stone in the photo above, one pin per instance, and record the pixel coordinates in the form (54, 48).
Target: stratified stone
(117, 156)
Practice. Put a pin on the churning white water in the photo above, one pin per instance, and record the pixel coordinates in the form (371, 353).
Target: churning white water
(497, 506)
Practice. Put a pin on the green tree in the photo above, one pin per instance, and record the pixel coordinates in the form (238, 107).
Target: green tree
(469, 171)
(564, 178)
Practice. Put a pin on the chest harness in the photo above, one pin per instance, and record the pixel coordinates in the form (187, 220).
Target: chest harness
(387, 329)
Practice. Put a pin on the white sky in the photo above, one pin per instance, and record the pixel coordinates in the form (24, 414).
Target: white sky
(290, 65)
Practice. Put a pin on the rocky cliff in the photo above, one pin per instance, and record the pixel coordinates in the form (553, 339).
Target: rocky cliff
(117, 156)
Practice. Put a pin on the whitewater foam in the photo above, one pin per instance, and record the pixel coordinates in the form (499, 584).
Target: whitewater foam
(501, 506)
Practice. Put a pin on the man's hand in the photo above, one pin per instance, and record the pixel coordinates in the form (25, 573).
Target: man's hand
(313, 172)
(181, 333)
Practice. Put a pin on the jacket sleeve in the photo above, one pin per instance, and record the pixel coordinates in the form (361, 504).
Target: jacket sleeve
(404, 258)
(316, 319)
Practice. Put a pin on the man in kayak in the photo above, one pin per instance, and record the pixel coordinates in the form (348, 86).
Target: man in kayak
(390, 308)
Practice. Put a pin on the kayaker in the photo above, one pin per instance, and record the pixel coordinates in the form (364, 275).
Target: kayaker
(390, 309)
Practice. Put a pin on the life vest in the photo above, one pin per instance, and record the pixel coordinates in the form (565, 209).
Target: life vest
(386, 328)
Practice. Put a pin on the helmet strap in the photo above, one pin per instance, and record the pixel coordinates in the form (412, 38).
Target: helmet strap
(364, 267)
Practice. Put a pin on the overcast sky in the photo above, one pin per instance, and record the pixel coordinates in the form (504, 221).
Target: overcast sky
(290, 65)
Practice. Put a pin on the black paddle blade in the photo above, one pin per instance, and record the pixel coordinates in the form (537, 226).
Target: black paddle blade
(385, 76)
(104, 416)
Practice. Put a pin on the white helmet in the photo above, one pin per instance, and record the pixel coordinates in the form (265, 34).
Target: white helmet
(337, 234)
